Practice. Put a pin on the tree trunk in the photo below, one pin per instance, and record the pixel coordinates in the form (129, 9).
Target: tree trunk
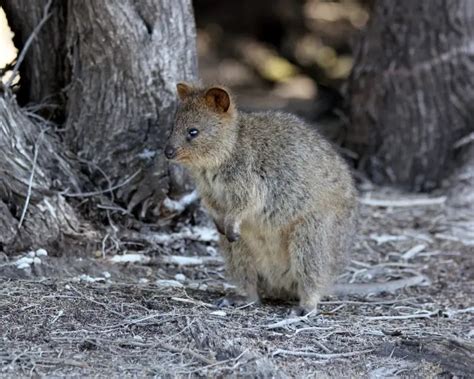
(44, 73)
(126, 58)
(33, 167)
(412, 90)
(110, 67)
(455, 356)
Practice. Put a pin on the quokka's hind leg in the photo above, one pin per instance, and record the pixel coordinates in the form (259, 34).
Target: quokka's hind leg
(317, 248)
(241, 269)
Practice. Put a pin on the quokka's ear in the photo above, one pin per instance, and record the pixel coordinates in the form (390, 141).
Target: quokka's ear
(218, 99)
(184, 90)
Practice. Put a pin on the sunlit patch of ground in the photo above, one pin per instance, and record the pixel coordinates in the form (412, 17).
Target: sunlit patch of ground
(8, 51)
(152, 312)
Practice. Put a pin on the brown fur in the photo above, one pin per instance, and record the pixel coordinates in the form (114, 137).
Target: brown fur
(281, 194)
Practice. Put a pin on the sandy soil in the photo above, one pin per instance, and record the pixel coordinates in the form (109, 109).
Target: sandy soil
(80, 314)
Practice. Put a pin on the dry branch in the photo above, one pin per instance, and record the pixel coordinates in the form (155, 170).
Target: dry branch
(321, 355)
(390, 286)
(403, 203)
(28, 42)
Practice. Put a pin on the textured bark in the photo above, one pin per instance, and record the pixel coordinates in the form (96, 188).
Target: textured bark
(115, 65)
(44, 71)
(412, 90)
(456, 356)
(26, 149)
(110, 67)
(126, 58)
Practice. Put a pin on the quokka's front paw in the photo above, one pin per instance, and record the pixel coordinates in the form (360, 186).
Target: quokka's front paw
(300, 311)
(297, 311)
(219, 226)
(232, 231)
(225, 302)
(231, 301)
(232, 236)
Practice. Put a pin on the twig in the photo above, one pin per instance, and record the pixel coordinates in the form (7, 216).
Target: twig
(187, 351)
(424, 314)
(453, 312)
(322, 346)
(336, 309)
(149, 317)
(320, 355)
(309, 329)
(446, 237)
(375, 303)
(110, 189)
(95, 302)
(56, 318)
(246, 305)
(30, 181)
(114, 208)
(33, 35)
(413, 251)
(98, 168)
(289, 321)
(236, 359)
(190, 261)
(192, 301)
(130, 258)
(464, 141)
(383, 238)
(403, 203)
(368, 288)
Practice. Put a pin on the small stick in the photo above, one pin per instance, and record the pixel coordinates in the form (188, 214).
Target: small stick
(30, 181)
(322, 346)
(34, 33)
(453, 312)
(368, 288)
(464, 141)
(110, 189)
(466, 242)
(219, 363)
(403, 203)
(60, 313)
(309, 328)
(95, 302)
(195, 302)
(289, 321)
(246, 305)
(187, 351)
(320, 355)
(413, 251)
(425, 314)
(354, 302)
(190, 261)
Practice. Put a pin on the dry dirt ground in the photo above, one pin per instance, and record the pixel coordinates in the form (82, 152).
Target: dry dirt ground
(82, 314)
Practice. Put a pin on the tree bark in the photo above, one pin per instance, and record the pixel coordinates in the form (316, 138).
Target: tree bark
(456, 356)
(126, 58)
(412, 90)
(110, 67)
(44, 72)
(33, 168)
(117, 63)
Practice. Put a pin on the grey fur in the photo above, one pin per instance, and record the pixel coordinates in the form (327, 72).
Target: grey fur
(275, 187)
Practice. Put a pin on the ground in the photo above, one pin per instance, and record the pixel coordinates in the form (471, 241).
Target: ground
(143, 303)
(87, 313)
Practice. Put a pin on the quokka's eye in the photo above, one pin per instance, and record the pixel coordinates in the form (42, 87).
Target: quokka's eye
(193, 133)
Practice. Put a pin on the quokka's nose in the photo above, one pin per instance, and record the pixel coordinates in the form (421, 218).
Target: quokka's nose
(170, 152)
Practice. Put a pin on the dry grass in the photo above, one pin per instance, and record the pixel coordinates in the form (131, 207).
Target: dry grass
(157, 318)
